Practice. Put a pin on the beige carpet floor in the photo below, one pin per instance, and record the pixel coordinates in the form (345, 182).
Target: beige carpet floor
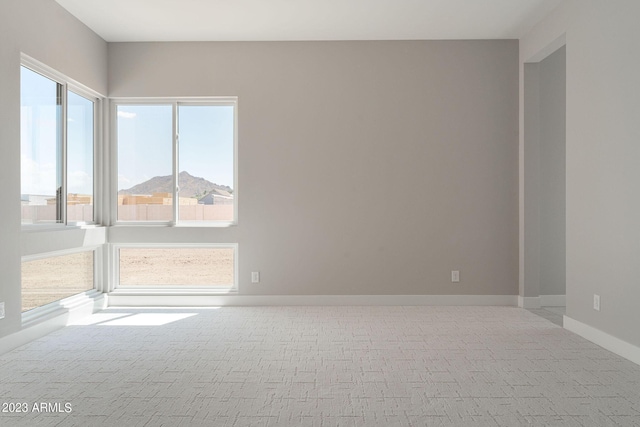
(318, 366)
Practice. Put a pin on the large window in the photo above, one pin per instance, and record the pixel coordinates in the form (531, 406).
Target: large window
(176, 162)
(57, 124)
(51, 279)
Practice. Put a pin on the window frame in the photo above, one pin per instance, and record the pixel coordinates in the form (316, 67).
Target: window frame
(70, 85)
(175, 103)
(114, 281)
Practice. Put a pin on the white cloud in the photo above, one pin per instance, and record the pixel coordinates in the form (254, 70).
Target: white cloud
(126, 115)
(37, 178)
(79, 182)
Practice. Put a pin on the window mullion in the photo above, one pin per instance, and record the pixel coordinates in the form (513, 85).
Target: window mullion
(98, 169)
(112, 142)
(176, 171)
(63, 153)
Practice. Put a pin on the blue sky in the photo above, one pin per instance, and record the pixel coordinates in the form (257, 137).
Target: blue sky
(39, 129)
(145, 143)
(38, 135)
(79, 146)
(144, 140)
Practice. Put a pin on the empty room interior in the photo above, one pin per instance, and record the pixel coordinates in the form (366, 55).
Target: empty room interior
(322, 213)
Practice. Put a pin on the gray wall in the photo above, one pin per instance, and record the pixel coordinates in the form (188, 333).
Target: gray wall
(552, 173)
(46, 32)
(530, 193)
(602, 157)
(544, 176)
(365, 167)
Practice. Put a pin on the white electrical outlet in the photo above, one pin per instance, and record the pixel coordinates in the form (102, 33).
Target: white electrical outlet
(455, 276)
(596, 302)
(255, 277)
(1, 310)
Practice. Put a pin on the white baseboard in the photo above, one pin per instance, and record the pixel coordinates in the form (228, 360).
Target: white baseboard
(596, 336)
(542, 301)
(40, 322)
(553, 300)
(132, 299)
(529, 302)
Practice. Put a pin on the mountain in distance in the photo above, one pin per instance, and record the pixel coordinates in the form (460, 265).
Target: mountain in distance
(190, 186)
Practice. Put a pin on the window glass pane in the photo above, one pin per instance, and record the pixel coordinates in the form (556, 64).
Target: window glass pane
(51, 279)
(206, 163)
(145, 162)
(213, 267)
(79, 158)
(40, 148)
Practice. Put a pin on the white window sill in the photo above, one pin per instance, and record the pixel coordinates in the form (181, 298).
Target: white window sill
(181, 225)
(57, 227)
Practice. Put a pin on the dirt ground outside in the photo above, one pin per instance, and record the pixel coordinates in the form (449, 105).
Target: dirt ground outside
(51, 279)
(176, 267)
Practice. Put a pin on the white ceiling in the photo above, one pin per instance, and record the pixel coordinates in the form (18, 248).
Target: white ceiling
(256, 20)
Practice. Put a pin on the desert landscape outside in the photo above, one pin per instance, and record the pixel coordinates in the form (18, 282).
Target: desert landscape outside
(51, 279)
(154, 267)
(152, 200)
(198, 200)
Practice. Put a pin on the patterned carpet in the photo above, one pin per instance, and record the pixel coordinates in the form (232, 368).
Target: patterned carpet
(317, 366)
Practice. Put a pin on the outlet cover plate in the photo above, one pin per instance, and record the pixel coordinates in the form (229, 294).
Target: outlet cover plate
(455, 276)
